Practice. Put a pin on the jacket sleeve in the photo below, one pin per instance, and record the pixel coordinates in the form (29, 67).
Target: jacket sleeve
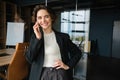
(33, 48)
(74, 53)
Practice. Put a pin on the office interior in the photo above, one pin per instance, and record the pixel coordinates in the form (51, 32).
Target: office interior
(103, 58)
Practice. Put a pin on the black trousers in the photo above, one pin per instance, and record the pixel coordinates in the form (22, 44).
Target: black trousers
(54, 74)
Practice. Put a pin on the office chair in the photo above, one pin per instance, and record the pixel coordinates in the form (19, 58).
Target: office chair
(18, 67)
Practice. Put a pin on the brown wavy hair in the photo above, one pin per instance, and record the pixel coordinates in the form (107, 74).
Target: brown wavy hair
(47, 8)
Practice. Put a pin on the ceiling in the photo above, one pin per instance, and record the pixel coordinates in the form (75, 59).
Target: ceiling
(68, 4)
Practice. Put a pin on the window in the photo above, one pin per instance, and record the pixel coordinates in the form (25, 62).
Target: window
(76, 24)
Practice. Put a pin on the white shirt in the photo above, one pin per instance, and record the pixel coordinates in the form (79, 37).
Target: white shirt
(52, 51)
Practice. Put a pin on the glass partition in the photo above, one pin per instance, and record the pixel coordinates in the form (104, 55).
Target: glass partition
(76, 24)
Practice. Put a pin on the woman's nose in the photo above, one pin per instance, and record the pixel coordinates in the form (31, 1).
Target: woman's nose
(43, 19)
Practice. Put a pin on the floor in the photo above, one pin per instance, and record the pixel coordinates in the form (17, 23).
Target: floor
(103, 68)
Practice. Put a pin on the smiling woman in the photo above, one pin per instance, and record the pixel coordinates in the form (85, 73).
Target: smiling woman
(52, 54)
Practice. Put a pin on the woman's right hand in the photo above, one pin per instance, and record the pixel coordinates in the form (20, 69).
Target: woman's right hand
(37, 30)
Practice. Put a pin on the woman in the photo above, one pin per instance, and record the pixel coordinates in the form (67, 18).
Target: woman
(52, 54)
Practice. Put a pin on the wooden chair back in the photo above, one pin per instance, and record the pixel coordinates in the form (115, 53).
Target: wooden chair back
(18, 67)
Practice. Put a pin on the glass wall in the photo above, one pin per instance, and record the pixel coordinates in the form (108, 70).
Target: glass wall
(76, 24)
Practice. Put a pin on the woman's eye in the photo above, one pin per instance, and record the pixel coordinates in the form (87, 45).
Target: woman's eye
(47, 16)
(39, 17)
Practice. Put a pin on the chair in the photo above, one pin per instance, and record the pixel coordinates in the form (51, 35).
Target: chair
(18, 67)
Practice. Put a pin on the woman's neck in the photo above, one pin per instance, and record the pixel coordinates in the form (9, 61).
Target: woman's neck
(47, 31)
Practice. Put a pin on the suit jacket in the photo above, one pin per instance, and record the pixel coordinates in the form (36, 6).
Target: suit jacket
(70, 54)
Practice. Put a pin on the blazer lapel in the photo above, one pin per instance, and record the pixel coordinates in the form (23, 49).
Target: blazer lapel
(59, 41)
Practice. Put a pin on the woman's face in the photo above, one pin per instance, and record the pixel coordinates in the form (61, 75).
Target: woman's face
(44, 19)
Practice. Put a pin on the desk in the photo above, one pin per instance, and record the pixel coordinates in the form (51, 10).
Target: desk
(5, 60)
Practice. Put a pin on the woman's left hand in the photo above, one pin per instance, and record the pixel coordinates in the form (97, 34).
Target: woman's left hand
(59, 64)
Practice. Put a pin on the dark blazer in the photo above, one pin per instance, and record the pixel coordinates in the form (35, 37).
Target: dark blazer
(70, 54)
